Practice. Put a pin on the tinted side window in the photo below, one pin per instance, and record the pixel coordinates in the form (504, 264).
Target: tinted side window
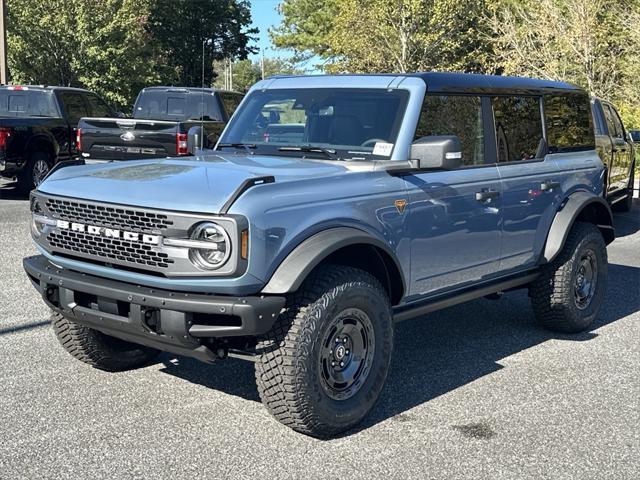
(97, 108)
(74, 106)
(455, 115)
(518, 128)
(230, 102)
(569, 123)
(617, 122)
(610, 123)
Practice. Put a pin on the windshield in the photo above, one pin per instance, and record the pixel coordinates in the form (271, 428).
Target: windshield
(27, 103)
(320, 122)
(177, 106)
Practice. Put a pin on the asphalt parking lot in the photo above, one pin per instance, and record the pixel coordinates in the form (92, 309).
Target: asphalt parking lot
(475, 391)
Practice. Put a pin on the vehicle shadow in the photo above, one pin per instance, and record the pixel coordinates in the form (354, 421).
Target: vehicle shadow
(9, 191)
(626, 224)
(441, 352)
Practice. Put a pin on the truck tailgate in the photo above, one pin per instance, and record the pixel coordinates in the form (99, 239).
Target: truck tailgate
(127, 139)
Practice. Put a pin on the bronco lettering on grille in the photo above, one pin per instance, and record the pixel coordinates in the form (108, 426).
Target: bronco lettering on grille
(108, 232)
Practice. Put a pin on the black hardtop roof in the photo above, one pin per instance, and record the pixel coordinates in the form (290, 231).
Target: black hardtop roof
(477, 83)
(450, 82)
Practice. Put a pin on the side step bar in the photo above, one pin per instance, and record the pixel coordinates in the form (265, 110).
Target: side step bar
(422, 308)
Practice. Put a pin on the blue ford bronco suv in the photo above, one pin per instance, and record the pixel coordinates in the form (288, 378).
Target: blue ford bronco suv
(332, 207)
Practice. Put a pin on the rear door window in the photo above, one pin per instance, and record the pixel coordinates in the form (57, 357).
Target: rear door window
(97, 107)
(455, 115)
(519, 133)
(569, 122)
(74, 106)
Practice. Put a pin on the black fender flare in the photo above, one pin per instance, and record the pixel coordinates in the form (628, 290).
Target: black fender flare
(586, 204)
(297, 265)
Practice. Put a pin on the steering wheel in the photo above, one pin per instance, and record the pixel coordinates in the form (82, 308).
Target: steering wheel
(372, 142)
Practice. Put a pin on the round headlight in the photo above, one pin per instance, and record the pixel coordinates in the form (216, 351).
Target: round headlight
(213, 257)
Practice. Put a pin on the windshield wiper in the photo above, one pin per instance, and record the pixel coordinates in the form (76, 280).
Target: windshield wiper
(329, 153)
(246, 146)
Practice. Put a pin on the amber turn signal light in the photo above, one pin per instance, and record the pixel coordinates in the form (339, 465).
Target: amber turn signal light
(244, 244)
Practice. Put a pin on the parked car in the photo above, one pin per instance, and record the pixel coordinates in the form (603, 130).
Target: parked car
(389, 197)
(635, 135)
(38, 128)
(617, 150)
(162, 118)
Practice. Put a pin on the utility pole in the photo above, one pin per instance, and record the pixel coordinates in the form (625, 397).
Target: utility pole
(3, 43)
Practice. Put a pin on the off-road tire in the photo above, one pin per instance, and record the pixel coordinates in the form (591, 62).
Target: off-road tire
(27, 178)
(553, 293)
(98, 349)
(626, 204)
(288, 372)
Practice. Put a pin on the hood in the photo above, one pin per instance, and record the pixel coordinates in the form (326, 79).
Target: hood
(196, 184)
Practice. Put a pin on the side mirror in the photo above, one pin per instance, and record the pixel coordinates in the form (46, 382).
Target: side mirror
(442, 152)
(195, 138)
(120, 115)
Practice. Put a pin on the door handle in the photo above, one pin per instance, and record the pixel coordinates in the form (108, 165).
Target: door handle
(547, 186)
(486, 195)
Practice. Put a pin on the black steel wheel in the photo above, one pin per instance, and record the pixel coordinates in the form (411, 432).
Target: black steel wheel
(323, 365)
(346, 355)
(569, 291)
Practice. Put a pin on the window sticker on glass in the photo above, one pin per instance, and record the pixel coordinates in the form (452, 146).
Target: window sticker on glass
(382, 148)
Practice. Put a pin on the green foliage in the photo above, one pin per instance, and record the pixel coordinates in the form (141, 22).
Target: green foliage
(101, 45)
(379, 35)
(116, 47)
(180, 26)
(593, 44)
(305, 28)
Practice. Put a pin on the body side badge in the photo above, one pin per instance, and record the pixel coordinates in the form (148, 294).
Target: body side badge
(400, 205)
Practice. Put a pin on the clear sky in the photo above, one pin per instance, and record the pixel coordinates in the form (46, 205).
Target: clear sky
(264, 14)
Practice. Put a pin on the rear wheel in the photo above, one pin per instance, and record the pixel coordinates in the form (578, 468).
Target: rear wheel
(323, 365)
(569, 292)
(98, 349)
(36, 169)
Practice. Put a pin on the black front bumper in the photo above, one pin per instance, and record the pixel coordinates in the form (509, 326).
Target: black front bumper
(176, 322)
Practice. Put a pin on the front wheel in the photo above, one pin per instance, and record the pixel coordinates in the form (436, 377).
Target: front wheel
(569, 292)
(35, 171)
(323, 365)
(99, 350)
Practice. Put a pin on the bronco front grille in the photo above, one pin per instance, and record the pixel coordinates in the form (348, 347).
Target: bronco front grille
(109, 248)
(108, 216)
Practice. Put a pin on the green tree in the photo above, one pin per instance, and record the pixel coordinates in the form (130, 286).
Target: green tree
(383, 36)
(592, 44)
(101, 45)
(181, 26)
(305, 27)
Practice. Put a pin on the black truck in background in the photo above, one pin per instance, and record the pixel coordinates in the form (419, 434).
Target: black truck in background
(617, 151)
(38, 128)
(162, 119)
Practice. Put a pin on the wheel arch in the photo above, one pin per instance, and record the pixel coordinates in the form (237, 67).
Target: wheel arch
(41, 143)
(343, 246)
(580, 206)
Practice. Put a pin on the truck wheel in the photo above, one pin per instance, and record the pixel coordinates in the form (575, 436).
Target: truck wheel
(323, 365)
(567, 295)
(97, 349)
(37, 167)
